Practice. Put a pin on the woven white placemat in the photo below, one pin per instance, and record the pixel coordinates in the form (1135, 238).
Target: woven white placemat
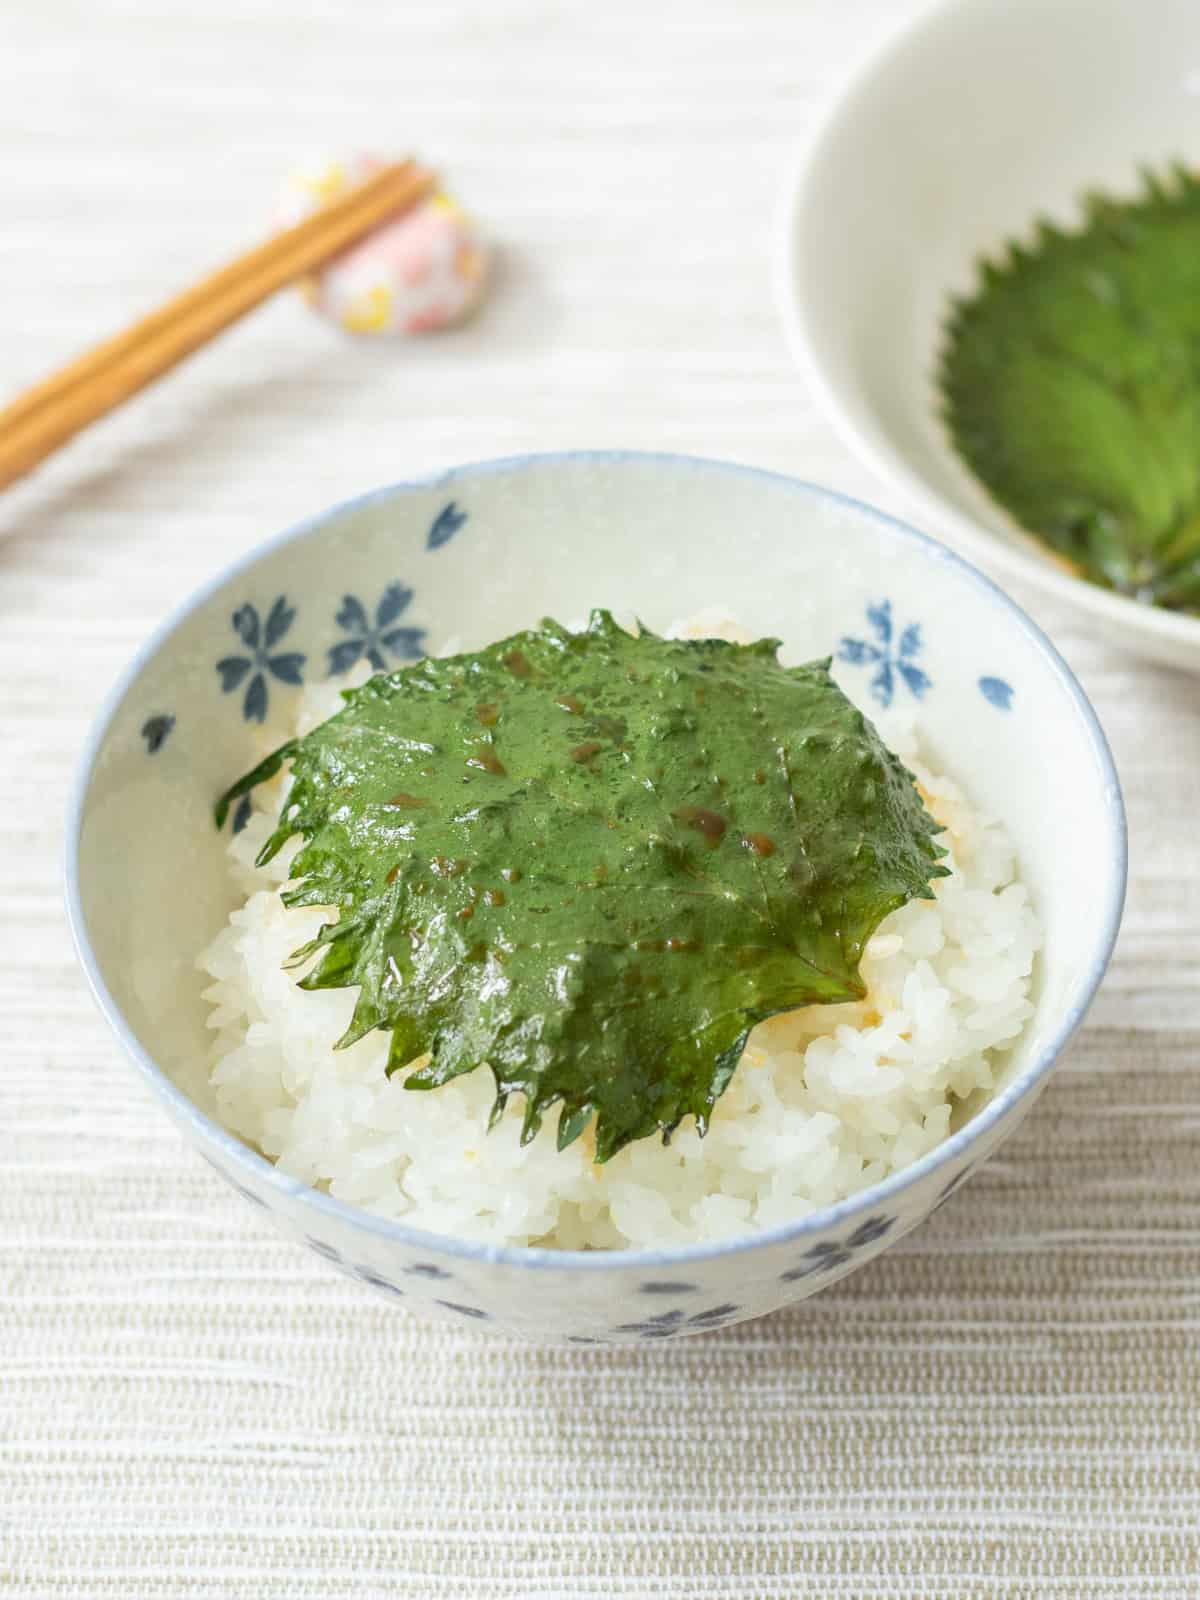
(1003, 1405)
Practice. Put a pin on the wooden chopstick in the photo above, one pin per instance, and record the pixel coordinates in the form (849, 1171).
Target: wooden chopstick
(52, 411)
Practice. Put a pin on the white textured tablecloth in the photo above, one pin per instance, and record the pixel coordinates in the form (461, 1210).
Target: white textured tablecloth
(1003, 1405)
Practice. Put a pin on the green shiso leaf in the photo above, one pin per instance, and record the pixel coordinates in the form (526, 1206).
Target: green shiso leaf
(594, 861)
(1071, 387)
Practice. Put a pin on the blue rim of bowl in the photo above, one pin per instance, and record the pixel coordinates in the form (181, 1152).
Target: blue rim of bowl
(258, 1171)
(1018, 555)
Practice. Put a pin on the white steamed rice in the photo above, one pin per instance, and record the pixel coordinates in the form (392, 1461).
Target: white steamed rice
(826, 1101)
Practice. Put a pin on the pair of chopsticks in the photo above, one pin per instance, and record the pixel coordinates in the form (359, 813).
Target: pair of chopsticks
(54, 410)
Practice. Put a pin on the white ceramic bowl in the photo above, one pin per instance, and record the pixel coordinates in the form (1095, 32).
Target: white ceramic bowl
(965, 126)
(486, 550)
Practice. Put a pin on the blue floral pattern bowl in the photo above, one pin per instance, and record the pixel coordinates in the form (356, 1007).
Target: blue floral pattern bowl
(480, 552)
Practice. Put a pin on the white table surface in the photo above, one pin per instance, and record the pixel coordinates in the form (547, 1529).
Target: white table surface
(1003, 1405)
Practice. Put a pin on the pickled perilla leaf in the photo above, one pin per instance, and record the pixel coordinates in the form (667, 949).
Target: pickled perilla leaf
(1071, 388)
(593, 861)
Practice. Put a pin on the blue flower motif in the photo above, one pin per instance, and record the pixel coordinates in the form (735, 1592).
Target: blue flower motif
(262, 661)
(377, 1281)
(155, 731)
(828, 1254)
(445, 525)
(867, 1232)
(997, 691)
(465, 1311)
(669, 1323)
(823, 1257)
(891, 657)
(373, 639)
